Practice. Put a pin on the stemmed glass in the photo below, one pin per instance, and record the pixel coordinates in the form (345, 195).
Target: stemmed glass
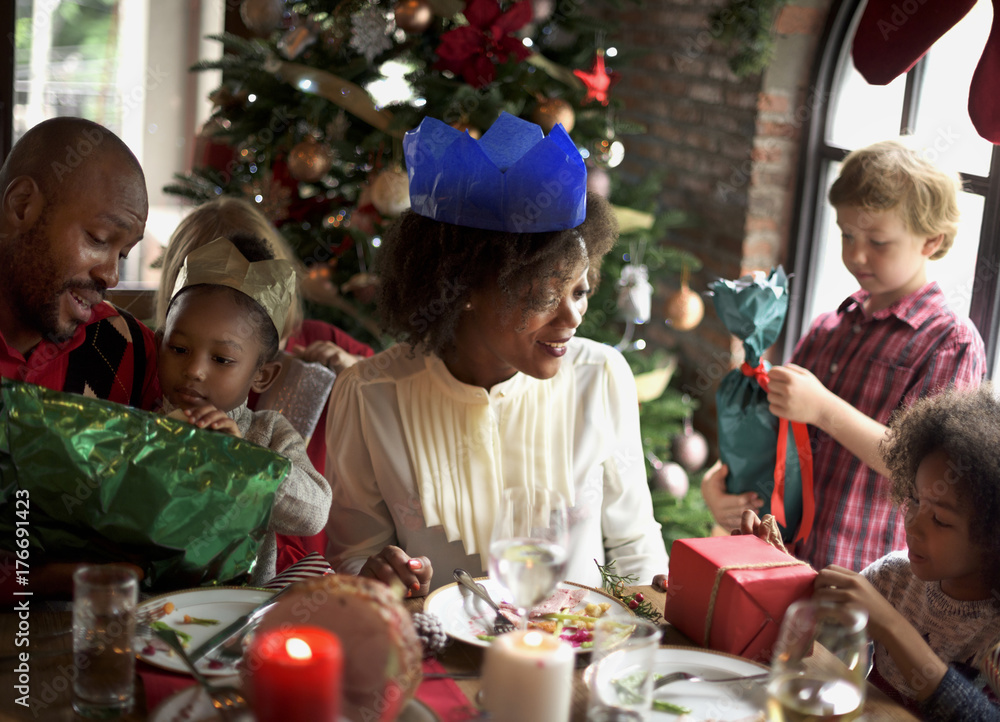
(529, 545)
(796, 692)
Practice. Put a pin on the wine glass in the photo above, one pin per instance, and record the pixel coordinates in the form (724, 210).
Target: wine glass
(529, 545)
(833, 686)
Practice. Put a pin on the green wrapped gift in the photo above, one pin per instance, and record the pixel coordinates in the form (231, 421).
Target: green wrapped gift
(764, 454)
(107, 482)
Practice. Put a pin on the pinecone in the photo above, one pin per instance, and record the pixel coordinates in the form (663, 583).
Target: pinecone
(430, 633)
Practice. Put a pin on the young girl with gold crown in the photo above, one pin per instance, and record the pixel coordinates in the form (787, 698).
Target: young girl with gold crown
(219, 341)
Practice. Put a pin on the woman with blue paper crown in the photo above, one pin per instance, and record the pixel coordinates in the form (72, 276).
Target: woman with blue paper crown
(485, 282)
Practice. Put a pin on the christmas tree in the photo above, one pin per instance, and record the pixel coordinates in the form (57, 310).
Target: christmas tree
(309, 120)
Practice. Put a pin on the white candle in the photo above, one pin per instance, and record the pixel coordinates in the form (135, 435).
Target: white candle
(528, 677)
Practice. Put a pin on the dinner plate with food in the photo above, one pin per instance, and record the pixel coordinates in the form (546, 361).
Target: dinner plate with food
(195, 615)
(568, 612)
(192, 704)
(738, 701)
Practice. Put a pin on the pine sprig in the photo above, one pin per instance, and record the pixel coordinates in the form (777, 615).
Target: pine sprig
(617, 586)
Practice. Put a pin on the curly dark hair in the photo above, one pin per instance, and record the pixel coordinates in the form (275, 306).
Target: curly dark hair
(965, 425)
(428, 269)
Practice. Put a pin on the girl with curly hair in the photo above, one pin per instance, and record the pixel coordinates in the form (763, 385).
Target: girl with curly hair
(932, 609)
(933, 612)
(485, 282)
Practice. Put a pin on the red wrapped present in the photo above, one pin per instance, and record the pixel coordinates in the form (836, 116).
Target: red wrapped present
(730, 593)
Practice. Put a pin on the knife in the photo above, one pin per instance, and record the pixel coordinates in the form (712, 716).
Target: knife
(235, 627)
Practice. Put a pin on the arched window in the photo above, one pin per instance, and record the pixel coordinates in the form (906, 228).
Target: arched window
(929, 105)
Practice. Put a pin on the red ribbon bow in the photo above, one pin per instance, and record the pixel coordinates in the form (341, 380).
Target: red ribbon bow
(800, 432)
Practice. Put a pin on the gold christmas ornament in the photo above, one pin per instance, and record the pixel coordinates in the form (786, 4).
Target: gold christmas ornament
(262, 17)
(684, 309)
(309, 160)
(413, 16)
(551, 111)
(391, 192)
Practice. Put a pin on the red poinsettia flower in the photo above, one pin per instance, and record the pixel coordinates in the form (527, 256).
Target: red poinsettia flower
(473, 50)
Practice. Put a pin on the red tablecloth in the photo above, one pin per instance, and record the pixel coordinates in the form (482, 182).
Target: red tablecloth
(442, 695)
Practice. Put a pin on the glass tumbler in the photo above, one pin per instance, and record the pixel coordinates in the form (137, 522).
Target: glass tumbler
(833, 689)
(104, 612)
(620, 676)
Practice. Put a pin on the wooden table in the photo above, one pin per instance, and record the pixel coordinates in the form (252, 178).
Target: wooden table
(51, 674)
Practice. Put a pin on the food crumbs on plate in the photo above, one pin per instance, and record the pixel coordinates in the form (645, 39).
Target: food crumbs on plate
(182, 635)
(188, 619)
(596, 609)
(661, 706)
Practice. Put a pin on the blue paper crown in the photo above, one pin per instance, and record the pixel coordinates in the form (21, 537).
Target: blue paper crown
(513, 179)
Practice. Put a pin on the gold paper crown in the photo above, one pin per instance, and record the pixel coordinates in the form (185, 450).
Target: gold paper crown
(269, 283)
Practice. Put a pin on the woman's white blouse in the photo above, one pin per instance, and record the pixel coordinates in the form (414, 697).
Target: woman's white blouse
(417, 459)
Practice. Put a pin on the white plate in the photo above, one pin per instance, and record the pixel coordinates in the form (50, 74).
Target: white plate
(464, 616)
(222, 603)
(192, 704)
(730, 701)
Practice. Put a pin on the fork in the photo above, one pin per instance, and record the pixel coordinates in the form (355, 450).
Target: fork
(148, 615)
(226, 699)
(501, 625)
(685, 677)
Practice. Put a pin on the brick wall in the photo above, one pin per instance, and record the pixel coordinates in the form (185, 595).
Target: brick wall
(729, 147)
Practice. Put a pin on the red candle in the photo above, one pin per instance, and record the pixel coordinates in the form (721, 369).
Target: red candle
(295, 674)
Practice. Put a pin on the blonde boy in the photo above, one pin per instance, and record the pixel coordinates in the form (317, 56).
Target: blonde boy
(890, 343)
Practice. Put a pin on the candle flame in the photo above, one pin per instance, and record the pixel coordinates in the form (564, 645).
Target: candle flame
(533, 639)
(298, 648)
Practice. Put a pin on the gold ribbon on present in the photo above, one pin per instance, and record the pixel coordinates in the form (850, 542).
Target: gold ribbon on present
(343, 93)
(718, 581)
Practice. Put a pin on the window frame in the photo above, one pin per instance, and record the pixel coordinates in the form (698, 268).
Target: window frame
(8, 13)
(816, 153)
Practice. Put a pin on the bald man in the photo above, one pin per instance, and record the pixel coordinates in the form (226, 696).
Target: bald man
(73, 205)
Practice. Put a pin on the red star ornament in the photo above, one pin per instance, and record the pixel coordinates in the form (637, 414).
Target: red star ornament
(598, 80)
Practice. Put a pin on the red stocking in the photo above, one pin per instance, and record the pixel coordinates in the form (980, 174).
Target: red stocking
(984, 93)
(894, 34)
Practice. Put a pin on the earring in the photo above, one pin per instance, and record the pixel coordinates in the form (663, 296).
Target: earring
(468, 305)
